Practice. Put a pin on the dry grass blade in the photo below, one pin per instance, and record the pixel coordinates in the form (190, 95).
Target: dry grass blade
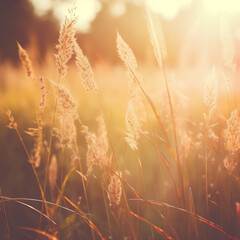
(18, 200)
(159, 121)
(89, 222)
(36, 210)
(159, 230)
(13, 125)
(44, 234)
(159, 57)
(157, 50)
(199, 218)
(148, 203)
(165, 162)
(5, 215)
(82, 175)
(64, 185)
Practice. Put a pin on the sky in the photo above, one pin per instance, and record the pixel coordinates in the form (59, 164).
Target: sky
(87, 9)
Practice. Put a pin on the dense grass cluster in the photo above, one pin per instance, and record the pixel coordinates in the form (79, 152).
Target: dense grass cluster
(119, 162)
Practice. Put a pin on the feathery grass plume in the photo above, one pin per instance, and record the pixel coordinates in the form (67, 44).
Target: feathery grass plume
(12, 124)
(97, 146)
(135, 110)
(66, 114)
(210, 93)
(23, 55)
(232, 133)
(125, 53)
(67, 104)
(86, 72)
(228, 49)
(91, 157)
(103, 137)
(114, 190)
(135, 114)
(132, 126)
(53, 169)
(229, 163)
(65, 46)
(38, 145)
(160, 52)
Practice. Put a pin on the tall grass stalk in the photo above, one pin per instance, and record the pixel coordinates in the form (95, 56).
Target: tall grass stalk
(159, 56)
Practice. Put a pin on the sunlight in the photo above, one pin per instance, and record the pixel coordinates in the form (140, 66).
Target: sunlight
(85, 12)
(223, 6)
(168, 9)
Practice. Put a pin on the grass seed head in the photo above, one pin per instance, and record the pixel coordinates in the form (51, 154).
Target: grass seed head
(114, 190)
(86, 72)
(65, 46)
(23, 55)
(232, 133)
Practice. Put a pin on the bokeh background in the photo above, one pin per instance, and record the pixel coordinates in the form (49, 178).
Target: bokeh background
(191, 33)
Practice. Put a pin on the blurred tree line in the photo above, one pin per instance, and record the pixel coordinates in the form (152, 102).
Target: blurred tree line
(18, 22)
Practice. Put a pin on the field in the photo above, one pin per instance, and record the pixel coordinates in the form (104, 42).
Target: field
(134, 150)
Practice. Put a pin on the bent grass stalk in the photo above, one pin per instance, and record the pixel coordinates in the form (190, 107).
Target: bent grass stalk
(34, 170)
(159, 56)
(148, 203)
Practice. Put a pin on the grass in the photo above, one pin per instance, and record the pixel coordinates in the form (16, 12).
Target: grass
(121, 156)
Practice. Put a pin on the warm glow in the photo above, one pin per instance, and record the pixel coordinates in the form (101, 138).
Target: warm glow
(85, 12)
(168, 9)
(87, 9)
(222, 6)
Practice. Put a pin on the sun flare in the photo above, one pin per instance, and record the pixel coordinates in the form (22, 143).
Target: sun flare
(120, 119)
(168, 9)
(223, 6)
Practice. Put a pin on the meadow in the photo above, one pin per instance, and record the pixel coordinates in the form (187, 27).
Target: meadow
(129, 151)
